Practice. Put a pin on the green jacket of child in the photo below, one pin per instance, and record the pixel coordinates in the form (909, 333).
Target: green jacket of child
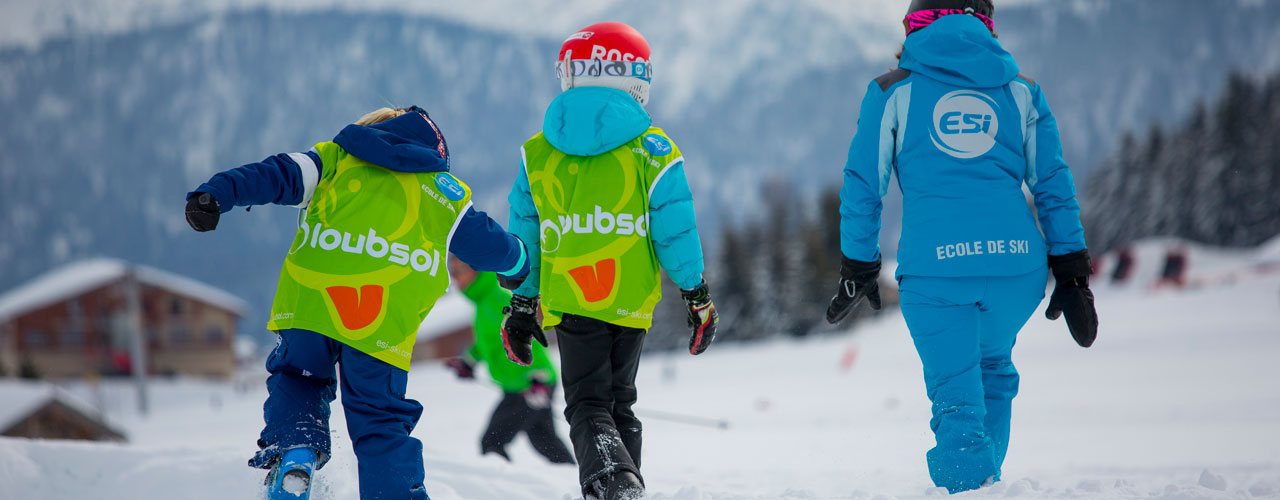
(489, 299)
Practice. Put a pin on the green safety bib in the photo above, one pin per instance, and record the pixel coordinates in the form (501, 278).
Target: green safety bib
(369, 259)
(593, 211)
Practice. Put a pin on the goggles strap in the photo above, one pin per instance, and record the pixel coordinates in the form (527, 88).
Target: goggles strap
(570, 68)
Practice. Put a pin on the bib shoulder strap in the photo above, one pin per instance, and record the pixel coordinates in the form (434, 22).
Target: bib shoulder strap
(661, 153)
(329, 153)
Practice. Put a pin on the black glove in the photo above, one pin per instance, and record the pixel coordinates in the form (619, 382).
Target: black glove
(858, 281)
(702, 317)
(1073, 297)
(202, 212)
(518, 328)
(461, 368)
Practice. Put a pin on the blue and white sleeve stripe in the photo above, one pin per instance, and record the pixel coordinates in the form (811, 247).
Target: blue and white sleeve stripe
(1048, 176)
(281, 180)
(309, 166)
(868, 169)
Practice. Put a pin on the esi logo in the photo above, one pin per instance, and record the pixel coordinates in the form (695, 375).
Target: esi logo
(965, 124)
(657, 145)
(450, 187)
(640, 70)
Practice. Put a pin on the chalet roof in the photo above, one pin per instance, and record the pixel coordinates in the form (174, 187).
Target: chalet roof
(20, 398)
(85, 275)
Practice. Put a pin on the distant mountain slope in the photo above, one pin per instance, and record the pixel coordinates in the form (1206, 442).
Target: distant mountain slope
(114, 131)
(112, 118)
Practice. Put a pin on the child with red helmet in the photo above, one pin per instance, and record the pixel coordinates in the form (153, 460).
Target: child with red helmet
(603, 199)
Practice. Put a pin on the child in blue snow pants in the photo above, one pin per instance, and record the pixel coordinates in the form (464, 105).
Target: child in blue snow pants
(301, 388)
(964, 330)
(349, 316)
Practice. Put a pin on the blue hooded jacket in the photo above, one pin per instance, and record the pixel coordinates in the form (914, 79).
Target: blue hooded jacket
(963, 132)
(406, 143)
(588, 121)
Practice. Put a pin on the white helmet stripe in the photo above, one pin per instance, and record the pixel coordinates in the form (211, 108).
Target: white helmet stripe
(600, 67)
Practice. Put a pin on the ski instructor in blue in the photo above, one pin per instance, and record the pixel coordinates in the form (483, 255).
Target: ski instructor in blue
(963, 132)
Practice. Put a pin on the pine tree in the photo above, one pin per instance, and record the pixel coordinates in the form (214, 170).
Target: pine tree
(1212, 179)
(734, 288)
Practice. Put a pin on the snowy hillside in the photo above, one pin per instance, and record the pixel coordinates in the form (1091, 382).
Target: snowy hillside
(1177, 400)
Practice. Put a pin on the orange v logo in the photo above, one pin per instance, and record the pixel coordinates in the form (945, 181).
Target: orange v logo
(357, 309)
(596, 282)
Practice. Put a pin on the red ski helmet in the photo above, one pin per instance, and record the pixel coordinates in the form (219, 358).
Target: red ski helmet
(609, 54)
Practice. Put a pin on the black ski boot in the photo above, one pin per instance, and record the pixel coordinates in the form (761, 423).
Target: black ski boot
(619, 486)
(623, 486)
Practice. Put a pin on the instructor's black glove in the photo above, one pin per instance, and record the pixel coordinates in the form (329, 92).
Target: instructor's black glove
(702, 317)
(858, 282)
(202, 212)
(1073, 297)
(519, 328)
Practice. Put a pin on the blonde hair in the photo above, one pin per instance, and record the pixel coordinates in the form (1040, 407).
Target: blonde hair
(379, 115)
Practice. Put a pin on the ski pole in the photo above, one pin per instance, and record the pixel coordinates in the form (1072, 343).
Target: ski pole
(678, 418)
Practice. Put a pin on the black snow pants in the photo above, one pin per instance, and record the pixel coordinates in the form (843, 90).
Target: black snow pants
(598, 369)
(515, 414)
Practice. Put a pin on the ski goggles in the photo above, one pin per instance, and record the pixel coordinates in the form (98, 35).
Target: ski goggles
(599, 67)
(416, 109)
(918, 20)
(441, 147)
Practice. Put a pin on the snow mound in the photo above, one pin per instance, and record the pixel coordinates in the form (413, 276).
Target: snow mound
(1177, 400)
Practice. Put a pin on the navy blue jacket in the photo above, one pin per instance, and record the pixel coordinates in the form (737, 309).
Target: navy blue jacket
(405, 144)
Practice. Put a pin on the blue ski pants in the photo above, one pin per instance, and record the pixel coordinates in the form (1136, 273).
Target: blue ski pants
(964, 330)
(301, 386)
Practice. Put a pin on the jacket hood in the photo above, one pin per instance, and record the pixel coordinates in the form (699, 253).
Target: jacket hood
(406, 143)
(587, 121)
(959, 50)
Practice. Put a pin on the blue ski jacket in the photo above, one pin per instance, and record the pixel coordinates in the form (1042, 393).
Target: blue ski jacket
(589, 121)
(963, 132)
(405, 144)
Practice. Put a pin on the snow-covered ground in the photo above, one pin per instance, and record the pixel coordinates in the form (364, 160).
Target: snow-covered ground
(1179, 399)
